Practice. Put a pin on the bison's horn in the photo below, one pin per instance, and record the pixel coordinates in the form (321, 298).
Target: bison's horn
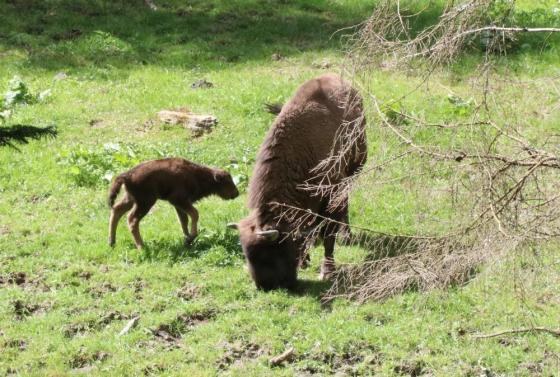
(232, 226)
(270, 235)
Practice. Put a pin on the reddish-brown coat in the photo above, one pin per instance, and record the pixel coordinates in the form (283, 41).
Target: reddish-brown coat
(175, 180)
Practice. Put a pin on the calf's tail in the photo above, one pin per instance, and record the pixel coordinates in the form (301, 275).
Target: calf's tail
(115, 188)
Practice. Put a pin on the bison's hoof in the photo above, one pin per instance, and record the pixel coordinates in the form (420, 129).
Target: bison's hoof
(325, 276)
(327, 270)
(111, 243)
(304, 262)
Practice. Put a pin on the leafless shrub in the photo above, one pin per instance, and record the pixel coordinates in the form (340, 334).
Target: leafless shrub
(499, 176)
(387, 36)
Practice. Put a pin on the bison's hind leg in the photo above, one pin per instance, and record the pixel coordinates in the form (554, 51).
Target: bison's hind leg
(117, 212)
(339, 217)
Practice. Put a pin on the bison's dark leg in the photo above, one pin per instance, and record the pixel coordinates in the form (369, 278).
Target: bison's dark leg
(338, 215)
(328, 267)
(139, 210)
(117, 212)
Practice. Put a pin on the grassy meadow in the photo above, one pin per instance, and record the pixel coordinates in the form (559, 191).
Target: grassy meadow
(110, 67)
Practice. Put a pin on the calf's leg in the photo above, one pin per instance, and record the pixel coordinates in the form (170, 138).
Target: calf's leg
(117, 212)
(183, 219)
(193, 213)
(185, 210)
(139, 210)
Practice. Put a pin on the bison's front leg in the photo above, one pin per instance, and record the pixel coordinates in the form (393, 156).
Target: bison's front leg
(303, 255)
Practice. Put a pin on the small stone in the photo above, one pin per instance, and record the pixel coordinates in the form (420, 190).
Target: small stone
(202, 84)
(60, 76)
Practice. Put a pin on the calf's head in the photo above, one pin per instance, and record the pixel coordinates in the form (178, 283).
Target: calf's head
(271, 258)
(225, 187)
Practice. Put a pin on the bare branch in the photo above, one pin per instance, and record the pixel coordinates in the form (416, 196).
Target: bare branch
(519, 331)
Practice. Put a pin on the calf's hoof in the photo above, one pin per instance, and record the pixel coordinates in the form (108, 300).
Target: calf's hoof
(189, 240)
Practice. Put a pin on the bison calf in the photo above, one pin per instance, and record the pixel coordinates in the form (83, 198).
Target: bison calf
(176, 180)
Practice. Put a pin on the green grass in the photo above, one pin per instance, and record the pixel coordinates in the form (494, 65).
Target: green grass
(124, 63)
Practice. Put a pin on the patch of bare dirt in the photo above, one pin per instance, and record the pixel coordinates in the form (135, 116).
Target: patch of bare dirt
(84, 361)
(171, 333)
(113, 316)
(198, 318)
(154, 369)
(19, 344)
(74, 329)
(412, 368)
(79, 328)
(82, 274)
(23, 309)
(237, 353)
(103, 268)
(101, 290)
(38, 198)
(168, 334)
(17, 278)
(97, 123)
(22, 280)
(188, 292)
(138, 285)
(351, 361)
(534, 368)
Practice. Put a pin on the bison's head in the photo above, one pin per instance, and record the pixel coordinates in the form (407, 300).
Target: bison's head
(225, 187)
(271, 258)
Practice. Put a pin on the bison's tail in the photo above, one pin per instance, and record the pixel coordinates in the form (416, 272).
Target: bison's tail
(273, 108)
(115, 188)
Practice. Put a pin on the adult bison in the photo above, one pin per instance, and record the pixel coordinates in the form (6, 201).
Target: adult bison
(323, 122)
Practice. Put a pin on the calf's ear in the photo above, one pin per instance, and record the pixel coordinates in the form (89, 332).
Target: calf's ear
(232, 226)
(220, 175)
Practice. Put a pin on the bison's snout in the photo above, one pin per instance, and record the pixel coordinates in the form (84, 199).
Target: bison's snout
(271, 285)
(234, 193)
(279, 274)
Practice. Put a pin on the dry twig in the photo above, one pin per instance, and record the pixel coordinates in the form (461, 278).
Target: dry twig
(287, 355)
(519, 331)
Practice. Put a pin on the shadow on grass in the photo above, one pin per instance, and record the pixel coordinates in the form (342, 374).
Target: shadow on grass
(222, 245)
(61, 34)
(93, 36)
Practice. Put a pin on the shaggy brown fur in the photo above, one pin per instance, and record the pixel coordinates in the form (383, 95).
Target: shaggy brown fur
(303, 134)
(176, 180)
